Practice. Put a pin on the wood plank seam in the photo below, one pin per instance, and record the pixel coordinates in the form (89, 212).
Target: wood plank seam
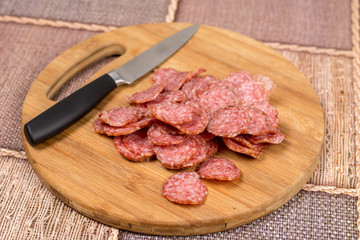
(356, 75)
(169, 18)
(307, 187)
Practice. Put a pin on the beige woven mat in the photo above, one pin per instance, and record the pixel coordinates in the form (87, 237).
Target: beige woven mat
(326, 210)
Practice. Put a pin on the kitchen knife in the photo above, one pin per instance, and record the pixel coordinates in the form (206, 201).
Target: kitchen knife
(69, 110)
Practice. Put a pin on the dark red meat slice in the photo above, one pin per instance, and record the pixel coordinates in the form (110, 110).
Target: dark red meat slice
(267, 83)
(147, 95)
(249, 89)
(212, 147)
(185, 188)
(271, 112)
(121, 116)
(258, 123)
(99, 126)
(238, 78)
(238, 147)
(207, 136)
(274, 138)
(199, 85)
(173, 113)
(173, 96)
(159, 135)
(245, 140)
(229, 121)
(201, 154)
(219, 169)
(161, 75)
(120, 147)
(127, 129)
(217, 97)
(139, 143)
(173, 156)
(178, 80)
(198, 123)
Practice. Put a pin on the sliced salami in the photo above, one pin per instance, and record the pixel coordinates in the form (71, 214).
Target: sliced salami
(126, 153)
(207, 136)
(139, 143)
(173, 113)
(238, 147)
(185, 188)
(159, 135)
(271, 112)
(274, 138)
(147, 95)
(201, 154)
(194, 89)
(176, 81)
(161, 75)
(127, 129)
(244, 140)
(173, 156)
(267, 83)
(219, 169)
(99, 126)
(217, 97)
(229, 121)
(121, 116)
(249, 89)
(198, 123)
(258, 124)
(212, 147)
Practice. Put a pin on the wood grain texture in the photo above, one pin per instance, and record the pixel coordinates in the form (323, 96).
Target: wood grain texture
(85, 171)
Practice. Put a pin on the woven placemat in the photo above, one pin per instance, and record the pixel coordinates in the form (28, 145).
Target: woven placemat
(327, 52)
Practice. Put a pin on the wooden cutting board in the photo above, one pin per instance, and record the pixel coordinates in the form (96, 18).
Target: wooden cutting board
(84, 170)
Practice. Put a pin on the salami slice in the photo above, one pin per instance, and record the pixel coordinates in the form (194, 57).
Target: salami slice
(185, 188)
(196, 87)
(249, 89)
(121, 116)
(176, 81)
(99, 126)
(207, 136)
(126, 153)
(238, 78)
(271, 112)
(229, 121)
(173, 156)
(161, 75)
(201, 154)
(198, 123)
(219, 169)
(274, 138)
(238, 147)
(159, 135)
(127, 129)
(147, 95)
(173, 113)
(267, 83)
(212, 147)
(244, 140)
(217, 97)
(139, 143)
(258, 124)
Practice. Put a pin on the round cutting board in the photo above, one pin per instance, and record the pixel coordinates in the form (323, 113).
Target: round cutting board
(84, 170)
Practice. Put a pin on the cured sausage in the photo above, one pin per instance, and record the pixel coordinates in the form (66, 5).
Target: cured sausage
(219, 169)
(185, 188)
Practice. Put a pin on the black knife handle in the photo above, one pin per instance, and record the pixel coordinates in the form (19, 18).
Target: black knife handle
(69, 110)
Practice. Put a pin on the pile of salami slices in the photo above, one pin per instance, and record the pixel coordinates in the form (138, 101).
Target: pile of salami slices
(180, 119)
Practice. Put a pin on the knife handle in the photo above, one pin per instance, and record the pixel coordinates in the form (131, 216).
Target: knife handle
(69, 110)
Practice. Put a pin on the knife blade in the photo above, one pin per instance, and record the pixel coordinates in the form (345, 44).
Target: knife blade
(72, 108)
